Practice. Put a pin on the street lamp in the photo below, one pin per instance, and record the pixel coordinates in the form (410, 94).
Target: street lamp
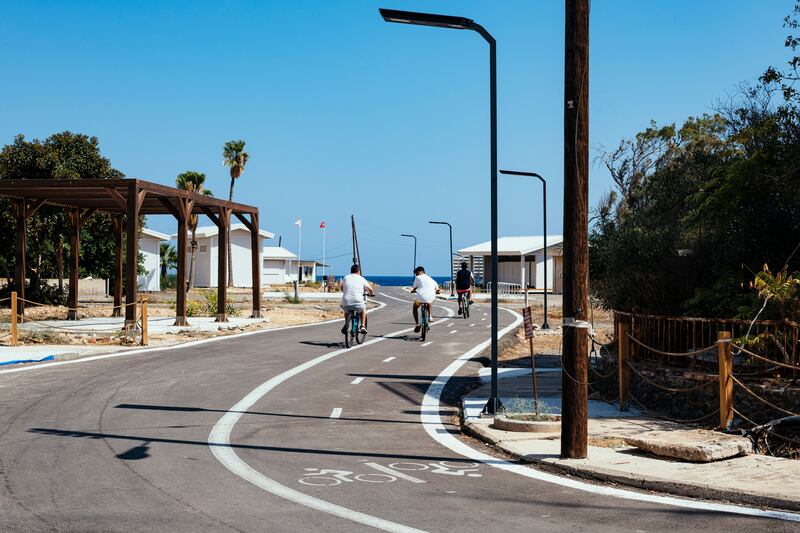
(461, 23)
(452, 275)
(415, 249)
(545, 325)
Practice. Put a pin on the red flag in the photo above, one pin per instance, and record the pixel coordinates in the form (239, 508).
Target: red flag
(322, 224)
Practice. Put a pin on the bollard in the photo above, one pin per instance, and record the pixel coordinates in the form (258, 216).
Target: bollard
(623, 354)
(14, 335)
(144, 321)
(296, 292)
(725, 362)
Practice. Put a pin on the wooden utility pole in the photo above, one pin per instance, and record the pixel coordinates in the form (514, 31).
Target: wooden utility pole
(574, 423)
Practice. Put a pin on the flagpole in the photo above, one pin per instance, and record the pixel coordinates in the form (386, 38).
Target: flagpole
(299, 250)
(324, 229)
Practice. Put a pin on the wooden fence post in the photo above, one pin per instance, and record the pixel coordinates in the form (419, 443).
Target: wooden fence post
(623, 354)
(14, 336)
(725, 362)
(144, 320)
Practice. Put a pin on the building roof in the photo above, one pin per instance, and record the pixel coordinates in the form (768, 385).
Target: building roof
(147, 232)
(210, 231)
(278, 252)
(521, 245)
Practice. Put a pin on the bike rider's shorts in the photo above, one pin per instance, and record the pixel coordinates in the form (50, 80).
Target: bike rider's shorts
(354, 307)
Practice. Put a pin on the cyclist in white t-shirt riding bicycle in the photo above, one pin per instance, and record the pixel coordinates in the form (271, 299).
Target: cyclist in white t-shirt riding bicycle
(426, 289)
(354, 289)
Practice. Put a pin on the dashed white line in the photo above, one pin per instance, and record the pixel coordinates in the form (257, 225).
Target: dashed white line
(357, 381)
(450, 325)
(336, 413)
(388, 359)
(471, 325)
(426, 343)
(454, 331)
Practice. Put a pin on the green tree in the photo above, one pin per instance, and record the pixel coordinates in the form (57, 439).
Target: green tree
(192, 181)
(235, 158)
(169, 259)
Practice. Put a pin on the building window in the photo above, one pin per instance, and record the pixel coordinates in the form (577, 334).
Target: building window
(203, 248)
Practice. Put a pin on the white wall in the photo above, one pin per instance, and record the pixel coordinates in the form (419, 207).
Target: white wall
(540, 272)
(206, 270)
(151, 281)
(273, 271)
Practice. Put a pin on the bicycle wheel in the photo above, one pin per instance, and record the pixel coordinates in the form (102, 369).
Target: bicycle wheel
(361, 337)
(347, 322)
(466, 306)
(424, 321)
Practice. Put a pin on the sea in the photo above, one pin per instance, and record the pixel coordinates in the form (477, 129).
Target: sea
(395, 281)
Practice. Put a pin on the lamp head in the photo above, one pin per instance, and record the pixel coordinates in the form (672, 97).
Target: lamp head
(427, 19)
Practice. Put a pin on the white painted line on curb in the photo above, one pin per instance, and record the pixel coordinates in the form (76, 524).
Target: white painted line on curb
(424, 344)
(395, 473)
(356, 381)
(388, 359)
(432, 422)
(336, 413)
(219, 440)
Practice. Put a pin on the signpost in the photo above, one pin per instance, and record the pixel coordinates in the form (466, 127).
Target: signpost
(528, 321)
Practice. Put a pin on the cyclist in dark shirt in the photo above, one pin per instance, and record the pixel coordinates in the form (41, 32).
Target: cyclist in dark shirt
(464, 283)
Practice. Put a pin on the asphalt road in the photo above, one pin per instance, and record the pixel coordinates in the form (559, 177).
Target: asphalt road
(138, 443)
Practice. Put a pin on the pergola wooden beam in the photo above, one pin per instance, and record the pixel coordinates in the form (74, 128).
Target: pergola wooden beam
(126, 200)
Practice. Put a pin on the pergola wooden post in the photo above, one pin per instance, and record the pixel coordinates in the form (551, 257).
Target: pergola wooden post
(20, 269)
(224, 219)
(134, 203)
(119, 227)
(255, 259)
(74, 217)
(182, 214)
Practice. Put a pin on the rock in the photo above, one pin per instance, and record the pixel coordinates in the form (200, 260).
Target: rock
(692, 445)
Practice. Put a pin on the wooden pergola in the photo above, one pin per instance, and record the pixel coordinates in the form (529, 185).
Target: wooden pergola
(125, 200)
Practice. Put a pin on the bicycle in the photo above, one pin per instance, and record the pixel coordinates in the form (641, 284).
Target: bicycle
(463, 303)
(352, 328)
(424, 321)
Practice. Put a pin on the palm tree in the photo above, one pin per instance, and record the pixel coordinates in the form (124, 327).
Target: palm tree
(193, 182)
(236, 158)
(169, 259)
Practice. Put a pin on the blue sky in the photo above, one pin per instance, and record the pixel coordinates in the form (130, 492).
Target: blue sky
(345, 114)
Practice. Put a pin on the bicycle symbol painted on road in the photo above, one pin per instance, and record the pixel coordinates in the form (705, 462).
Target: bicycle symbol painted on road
(329, 477)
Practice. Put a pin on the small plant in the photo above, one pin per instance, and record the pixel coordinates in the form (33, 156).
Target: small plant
(194, 308)
(42, 337)
(289, 298)
(210, 307)
(528, 410)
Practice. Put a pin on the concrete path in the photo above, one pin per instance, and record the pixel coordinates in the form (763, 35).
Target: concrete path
(284, 430)
(770, 481)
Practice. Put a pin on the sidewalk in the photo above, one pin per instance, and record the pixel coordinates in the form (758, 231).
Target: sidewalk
(752, 479)
(106, 327)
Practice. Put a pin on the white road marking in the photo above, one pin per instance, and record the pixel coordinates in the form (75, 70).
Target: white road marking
(454, 331)
(219, 440)
(395, 298)
(388, 359)
(393, 472)
(483, 318)
(356, 381)
(426, 343)
(471, 325)
(190, 344)
(336, 413)
(450, 325)
(432, 422)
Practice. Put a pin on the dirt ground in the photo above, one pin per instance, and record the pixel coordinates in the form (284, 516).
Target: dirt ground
(278, 313)
(515, 350)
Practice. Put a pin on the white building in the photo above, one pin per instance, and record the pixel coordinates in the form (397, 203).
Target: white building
(149, 243)
(521, 261)
(279, 266)
(205, 270)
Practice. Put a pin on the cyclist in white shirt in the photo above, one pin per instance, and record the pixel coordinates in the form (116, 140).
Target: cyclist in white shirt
(426, 289)
(354, 287)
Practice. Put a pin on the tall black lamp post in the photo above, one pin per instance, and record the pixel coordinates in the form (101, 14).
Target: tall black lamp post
(461, 23)
(415, 249)
(545, 325)
(452, 275)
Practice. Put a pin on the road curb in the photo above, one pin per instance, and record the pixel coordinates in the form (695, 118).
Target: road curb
(642, 482)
